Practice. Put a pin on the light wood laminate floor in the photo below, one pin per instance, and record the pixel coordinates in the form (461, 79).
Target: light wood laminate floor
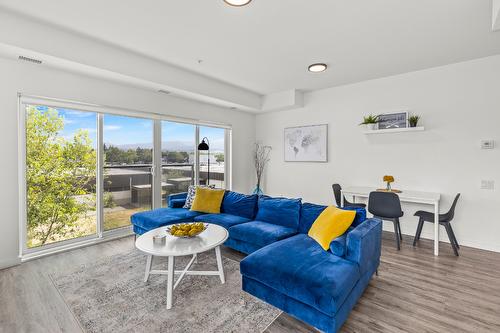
(414, 292)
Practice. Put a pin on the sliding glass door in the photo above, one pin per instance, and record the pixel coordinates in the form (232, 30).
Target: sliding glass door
(128, 162)
(212, 166)
(61, 163)
(177, 158)
(87, 171)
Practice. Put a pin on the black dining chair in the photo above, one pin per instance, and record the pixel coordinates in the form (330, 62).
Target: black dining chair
(337, 194)
(386, 206)
(444, 220)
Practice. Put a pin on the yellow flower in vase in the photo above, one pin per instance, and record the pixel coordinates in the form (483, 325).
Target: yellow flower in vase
(388, 180)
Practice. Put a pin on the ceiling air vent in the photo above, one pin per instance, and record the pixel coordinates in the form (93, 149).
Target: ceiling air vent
(32, 60)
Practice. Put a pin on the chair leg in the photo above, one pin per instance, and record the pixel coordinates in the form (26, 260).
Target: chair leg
(396, 232)
(454, 237)
(399, 230)
(450, 237)
(419, 231)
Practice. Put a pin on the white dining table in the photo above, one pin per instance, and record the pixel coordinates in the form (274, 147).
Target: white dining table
(419, 197)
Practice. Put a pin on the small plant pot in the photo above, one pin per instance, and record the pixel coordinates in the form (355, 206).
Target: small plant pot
(413, 124)
(371, 127)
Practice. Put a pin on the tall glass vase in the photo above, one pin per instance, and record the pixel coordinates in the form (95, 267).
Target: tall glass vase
(258, 190)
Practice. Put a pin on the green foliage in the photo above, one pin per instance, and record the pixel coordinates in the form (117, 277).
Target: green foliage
(414, 120)
(219, 157)
(108, 200)
(115, 155)
(58, 172)
(176, 156)
(370, 119)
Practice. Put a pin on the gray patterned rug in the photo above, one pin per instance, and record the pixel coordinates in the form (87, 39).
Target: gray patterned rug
(110, 296)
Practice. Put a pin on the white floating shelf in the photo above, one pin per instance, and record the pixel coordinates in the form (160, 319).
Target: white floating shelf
(395, 130)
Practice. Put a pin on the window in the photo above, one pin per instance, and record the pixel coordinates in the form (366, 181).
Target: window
(177, 158)
(61, 166)
(212, 167)
(88, 169)
(128, 161)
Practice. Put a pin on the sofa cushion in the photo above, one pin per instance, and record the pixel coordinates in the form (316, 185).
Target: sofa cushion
(299, 268)
(260, 233)
(191, 194)
(360, 215)
(177, 200)
(239, 204)
(162, 216)
(330, 224)
(309, 212)
(207, 200)
(280, 211)
(224, 220)
(338, 246)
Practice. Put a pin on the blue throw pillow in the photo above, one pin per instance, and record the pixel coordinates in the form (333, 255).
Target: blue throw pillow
(360, 215)
(308, 214)
(279, 211)
(338, 245)
(239, 204)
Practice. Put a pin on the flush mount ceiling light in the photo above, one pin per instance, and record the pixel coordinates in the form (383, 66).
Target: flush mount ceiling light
(237, 3)
(317, 68)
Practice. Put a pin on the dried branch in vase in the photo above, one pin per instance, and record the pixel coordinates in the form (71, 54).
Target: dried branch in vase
(261, 157)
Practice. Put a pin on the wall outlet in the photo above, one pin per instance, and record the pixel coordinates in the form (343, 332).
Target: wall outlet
(487, 184)
(487, 144)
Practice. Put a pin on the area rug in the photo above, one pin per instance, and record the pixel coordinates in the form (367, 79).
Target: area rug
(111, 296)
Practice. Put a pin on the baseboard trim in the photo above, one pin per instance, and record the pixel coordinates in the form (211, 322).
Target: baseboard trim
(444, 239)
(6, 263)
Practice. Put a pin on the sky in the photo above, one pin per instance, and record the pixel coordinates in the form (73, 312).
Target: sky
(121, 130)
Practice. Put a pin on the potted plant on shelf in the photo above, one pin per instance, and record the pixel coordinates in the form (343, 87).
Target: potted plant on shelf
(413, 120)
(370, 122)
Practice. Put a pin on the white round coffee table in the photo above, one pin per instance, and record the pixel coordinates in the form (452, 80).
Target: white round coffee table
(211, 238)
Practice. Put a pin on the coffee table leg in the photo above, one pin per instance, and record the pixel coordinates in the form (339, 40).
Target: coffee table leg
(148, 268)
(219, 265)
(170, 281)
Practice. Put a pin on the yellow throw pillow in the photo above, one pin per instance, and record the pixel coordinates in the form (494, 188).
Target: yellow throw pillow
(330, 224)
(207, 200)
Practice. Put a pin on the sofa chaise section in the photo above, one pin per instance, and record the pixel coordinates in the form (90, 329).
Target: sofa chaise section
(313, 285)
(149, 220)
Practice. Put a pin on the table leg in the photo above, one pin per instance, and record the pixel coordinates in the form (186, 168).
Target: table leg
(436, 229)
(148, 267)
(219, 265)
(170, 281)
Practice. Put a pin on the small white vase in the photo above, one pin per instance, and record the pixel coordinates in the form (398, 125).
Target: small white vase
(371, 127)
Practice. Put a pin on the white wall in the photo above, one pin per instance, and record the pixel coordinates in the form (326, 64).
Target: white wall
(459, 105)
(38, 80)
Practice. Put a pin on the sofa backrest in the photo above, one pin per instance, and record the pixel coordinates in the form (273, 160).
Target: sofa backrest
(279, 211)
(309, 212)
(239, 204)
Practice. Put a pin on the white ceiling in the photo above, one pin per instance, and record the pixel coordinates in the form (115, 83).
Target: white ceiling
(266, 46)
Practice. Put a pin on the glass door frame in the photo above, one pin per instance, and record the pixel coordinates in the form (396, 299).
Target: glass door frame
(100, 110)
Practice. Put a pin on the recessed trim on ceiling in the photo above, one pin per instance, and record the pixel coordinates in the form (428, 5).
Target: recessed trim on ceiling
(237, 3)
(317, 67)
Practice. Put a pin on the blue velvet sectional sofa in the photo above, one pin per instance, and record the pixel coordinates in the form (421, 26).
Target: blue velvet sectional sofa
(284, 266)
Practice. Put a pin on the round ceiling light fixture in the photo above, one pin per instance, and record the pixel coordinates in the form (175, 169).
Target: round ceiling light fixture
(237, 3)
(317, 68)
